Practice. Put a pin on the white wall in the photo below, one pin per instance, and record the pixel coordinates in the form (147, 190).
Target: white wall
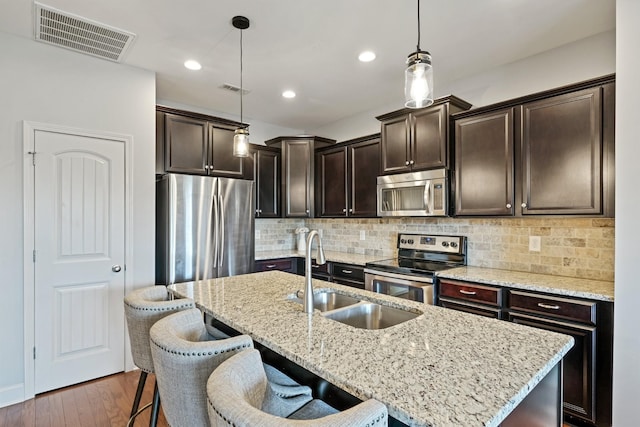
(626, 351)
(259, 132)
(51, 85)
(571, 63)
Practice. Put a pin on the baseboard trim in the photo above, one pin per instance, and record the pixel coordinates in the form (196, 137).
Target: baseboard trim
(11, 395)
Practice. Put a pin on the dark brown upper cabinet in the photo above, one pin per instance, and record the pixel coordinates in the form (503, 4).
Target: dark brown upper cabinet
(298, 163)
(346, 178)
(418, 139)
(267, 181)
(193, 143)
(550, 153)
(484, 164)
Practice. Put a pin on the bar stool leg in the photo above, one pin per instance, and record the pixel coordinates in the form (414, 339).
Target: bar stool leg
(136, 401)
(153, 422)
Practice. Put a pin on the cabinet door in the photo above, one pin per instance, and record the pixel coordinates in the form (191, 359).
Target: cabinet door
(484, 164)
(562, 154)
(579, 377)
(186, 145)
(267, 183)
(429, 138)
(331, 166)
(222, 161)
(364, 168)
(395, 134)
(298, 180)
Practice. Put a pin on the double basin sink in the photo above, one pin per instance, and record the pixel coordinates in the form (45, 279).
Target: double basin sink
(354, 312)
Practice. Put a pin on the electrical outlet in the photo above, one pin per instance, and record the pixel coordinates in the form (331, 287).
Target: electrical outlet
(362, 235)
(534, 243)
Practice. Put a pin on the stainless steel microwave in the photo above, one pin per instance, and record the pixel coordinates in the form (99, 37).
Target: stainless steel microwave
(413, 194)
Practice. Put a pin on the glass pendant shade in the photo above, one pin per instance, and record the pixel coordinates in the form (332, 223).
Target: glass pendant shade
(418, 80)
(241, 143)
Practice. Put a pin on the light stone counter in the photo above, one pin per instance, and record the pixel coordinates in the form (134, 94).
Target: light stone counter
(333, 256)
(443, 368)
(569, 286)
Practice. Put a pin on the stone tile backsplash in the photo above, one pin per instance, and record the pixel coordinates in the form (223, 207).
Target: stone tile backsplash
(574, 247)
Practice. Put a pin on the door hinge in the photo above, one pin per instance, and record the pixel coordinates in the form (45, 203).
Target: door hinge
(34, 353)
(33, 157)
(34, 255)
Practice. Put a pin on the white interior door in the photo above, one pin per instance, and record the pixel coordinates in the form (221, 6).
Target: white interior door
(79, 257)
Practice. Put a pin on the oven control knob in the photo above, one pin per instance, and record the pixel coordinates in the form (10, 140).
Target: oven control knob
(410, 241)
(445, 244)
(403, 241)
(454, 245)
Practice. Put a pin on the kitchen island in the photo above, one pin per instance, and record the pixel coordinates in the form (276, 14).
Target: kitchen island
(442, 368)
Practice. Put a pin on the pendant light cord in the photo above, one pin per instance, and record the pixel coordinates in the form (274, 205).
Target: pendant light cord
(418, 46)
(241, 89)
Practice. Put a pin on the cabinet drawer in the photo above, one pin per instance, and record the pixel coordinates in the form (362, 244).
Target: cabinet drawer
(471, 292)
(284, 264)
(577, 310)
(478, 309)
(348, 271)
(322, 269)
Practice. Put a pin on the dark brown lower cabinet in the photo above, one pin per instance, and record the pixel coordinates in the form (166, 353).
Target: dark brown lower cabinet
(587, 367)
(579, 364)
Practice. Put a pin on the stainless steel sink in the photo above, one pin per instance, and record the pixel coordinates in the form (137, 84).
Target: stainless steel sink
(366, 315)
(326, 300)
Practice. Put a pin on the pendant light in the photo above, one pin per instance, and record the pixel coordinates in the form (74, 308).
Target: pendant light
(241, 137)
(418, 77)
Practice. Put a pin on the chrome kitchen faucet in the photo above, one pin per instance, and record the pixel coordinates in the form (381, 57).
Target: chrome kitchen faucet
(308, 285)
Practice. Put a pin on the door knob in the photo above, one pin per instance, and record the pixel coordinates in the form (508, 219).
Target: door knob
(116, 268)
(508, 205)
(524, 205)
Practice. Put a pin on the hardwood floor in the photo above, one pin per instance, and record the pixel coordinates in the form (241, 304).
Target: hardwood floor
(103, 402)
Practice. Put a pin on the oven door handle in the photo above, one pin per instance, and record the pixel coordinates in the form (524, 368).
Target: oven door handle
(377, 274)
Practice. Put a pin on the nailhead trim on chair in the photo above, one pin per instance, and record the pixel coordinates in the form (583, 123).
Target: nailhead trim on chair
(210, 353)
(158, 308)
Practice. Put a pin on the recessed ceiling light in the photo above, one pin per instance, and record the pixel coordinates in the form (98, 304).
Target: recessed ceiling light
(192, 65)
(367, 56)
(289, 94)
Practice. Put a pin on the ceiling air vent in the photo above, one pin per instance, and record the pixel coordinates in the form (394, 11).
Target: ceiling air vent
(232, 88)
(80, 34)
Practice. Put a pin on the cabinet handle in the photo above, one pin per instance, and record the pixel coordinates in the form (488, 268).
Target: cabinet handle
(344, 210)
(271, 266)
(350, 210)
(462, 291)
(406, 163)
(410, 162)
(549, 306)
(524, 205)
(347, 271)
(508, 205)
(315, 266)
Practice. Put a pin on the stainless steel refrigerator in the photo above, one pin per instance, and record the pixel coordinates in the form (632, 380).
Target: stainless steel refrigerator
(204, 228)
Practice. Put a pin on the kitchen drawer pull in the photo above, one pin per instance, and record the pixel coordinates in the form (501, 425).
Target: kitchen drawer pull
(462, 291)
(271, 266)
(347, 271)
(548, 306)
(315, 266)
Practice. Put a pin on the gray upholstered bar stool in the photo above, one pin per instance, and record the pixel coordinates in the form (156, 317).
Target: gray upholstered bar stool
(142, 308)
(238, 394)
(184, 356)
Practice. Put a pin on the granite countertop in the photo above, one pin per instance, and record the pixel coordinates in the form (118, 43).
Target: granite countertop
(443, 368)
(559, 285)
(333, 256)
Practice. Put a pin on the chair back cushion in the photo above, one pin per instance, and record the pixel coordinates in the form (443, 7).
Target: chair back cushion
(184, 358)
(142, 308)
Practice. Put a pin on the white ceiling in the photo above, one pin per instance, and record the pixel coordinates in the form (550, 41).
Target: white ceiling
(312, 46)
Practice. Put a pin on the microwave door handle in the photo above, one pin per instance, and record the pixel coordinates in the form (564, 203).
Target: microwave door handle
(427, 196)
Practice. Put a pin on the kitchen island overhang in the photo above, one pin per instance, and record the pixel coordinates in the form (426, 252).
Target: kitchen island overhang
(441, 368)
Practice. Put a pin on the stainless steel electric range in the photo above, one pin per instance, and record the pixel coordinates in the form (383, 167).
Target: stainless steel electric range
(410, 275)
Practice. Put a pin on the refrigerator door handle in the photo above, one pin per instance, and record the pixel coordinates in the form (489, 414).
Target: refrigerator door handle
(221, 241)
(216, 232)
